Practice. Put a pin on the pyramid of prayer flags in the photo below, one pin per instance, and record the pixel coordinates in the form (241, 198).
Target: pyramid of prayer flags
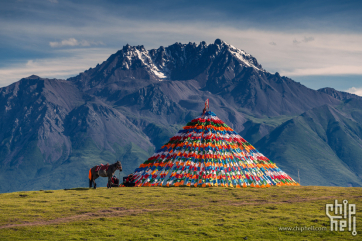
(205, 153)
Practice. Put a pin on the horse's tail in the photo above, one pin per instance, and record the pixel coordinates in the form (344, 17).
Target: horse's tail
(90, 174)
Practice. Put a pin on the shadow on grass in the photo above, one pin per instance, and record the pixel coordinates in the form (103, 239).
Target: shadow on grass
(78, 189)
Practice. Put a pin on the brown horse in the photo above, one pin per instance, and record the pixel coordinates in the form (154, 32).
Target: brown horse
(103, 171)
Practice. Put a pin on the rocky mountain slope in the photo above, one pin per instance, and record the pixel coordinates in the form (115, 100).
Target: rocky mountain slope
(53, 131)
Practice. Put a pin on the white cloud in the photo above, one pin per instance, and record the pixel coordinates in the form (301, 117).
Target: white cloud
(316, 53)
(354, 90)
(81, 60)
(72, 42)
(330, 70)
(307, 39)
(296, 41)
(65, 42)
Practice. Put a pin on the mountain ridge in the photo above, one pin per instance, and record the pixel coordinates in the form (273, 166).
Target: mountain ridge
(123, 109)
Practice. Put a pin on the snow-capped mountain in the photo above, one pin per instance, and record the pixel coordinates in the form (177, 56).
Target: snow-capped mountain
(170, 60)
(219, 68)
(137, 99)
(175, 62)
(165, 63)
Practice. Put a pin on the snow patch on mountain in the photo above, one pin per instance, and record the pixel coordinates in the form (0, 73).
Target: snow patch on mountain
(146, 59)
(241, 55)
(131, 54)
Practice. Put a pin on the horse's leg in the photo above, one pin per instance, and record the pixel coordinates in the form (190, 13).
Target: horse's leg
(90, 183)
(109, 181)
(94, 181)
(109, 175)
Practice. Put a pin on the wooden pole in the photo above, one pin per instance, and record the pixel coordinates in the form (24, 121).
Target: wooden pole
(298, 176)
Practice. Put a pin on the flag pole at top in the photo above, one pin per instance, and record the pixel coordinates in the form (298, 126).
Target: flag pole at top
(206, 107)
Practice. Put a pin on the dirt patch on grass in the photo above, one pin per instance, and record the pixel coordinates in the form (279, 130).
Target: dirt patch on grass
(112, 212)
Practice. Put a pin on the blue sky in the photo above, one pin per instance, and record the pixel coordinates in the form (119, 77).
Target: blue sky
(317, 43)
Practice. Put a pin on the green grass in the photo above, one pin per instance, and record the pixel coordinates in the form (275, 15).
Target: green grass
(173, 213)
(270, 121)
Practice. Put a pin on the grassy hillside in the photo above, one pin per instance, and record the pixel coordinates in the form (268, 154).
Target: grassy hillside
(322, 143)
(173, 213)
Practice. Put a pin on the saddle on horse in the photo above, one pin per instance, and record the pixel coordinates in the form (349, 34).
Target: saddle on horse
(102, 167)
(97, 168)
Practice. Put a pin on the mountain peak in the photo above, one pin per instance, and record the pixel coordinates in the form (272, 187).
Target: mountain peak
(340, 95)
(126, 47)
(219, 42)
(174, 62)
(33, 77)
(203, 43)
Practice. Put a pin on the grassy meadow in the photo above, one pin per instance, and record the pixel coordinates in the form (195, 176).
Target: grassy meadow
(182, 213)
